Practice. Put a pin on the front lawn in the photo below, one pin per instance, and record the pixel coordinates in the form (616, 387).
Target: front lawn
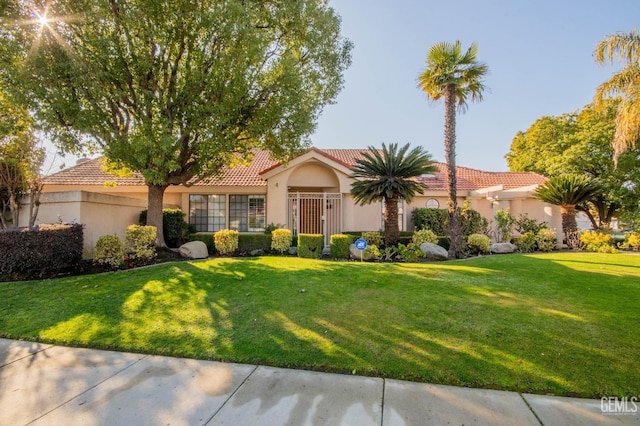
(560, 323)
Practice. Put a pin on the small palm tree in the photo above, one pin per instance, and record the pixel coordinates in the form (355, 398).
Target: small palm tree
(624, 85)
(568, 191)
(456, 76)
(389, 176)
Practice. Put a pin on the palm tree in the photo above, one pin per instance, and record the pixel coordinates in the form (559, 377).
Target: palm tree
(456, 76)
(568, 191)
(625, 85)
(389, 176)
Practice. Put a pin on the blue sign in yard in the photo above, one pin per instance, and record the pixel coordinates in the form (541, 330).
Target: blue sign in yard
(361, 244)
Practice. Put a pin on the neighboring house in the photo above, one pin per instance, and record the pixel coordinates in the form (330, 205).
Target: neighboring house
(309, 194)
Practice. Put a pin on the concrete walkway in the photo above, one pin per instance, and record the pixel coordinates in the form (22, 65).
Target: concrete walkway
(53, 385)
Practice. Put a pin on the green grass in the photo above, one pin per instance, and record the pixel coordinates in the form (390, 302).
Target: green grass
(561, 323)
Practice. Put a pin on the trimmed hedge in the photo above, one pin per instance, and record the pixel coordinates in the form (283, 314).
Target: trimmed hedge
(173, 225)
(340, 246)
(226, 241)
(48, 248)
(281, 240)
(310, 245)
(250, 242)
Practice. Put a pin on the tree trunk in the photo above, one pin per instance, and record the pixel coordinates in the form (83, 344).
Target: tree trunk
(34, 201)
(455, 249)
(14, 208)
(154, 212)
(570, 226)
(391, 231)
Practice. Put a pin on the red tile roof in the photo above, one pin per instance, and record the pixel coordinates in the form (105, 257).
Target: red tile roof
(91, 173)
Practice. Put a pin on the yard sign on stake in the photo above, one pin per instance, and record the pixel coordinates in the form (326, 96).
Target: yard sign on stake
(361, 244)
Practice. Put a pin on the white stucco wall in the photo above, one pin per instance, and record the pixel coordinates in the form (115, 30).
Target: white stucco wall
(101, 214)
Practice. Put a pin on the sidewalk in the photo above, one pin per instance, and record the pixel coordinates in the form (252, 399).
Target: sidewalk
(53, 385)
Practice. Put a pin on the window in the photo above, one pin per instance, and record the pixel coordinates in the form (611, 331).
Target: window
(432, 203)
(247, 213)
(207, 212)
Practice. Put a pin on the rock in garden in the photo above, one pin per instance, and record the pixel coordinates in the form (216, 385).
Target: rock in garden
(257, 252)
(501, 248)
(293, 250)
(434, 251)
(194, 250)
(355, 253)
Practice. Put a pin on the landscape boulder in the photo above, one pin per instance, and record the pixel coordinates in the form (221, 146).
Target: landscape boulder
(434, 251)
(194, 250)
(502, 248)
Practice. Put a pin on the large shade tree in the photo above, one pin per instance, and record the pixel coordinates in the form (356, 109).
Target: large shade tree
(456, 76)
(581, 143)
(624, 85)
(175, 90)
(389, 175)
(568, 191)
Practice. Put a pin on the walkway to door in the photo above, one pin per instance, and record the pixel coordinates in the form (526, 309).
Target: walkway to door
(315, 213)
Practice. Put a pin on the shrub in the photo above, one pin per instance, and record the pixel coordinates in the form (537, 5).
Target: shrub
(173, 225)
(546, 239)
(632, 241)
(504, 223)
(139, 242)
(310, 245)
(432, 219)
(226, 241)
(597, 241)
(410, 252)
(424, 236)
(109, 251)
(478, 243)
(471, 221)
(272, 227)
(281, 239)
(526, 242)
(371, 252)
(340, 246)
(444, 241)
(373, 238)
(46, 248)
(523, 225)
(250, 242)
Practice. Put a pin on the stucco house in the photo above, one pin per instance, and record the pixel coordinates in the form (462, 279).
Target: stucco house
(309, 194)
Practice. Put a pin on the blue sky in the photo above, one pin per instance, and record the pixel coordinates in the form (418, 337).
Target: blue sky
(539, 55)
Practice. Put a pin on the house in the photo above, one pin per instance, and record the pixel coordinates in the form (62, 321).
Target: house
(309, 194)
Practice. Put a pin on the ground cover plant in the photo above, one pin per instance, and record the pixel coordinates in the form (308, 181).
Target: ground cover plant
(490, 322)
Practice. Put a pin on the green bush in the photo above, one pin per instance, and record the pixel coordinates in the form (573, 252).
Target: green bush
(424, 236)
(47, 248)
(597, 241)
(504, 223)
(444, 241)
(471, 221)
(478, 243)
(632, 241)
(173, 225)
(523, 225)
(340, 246)
(546, 239)
(310, 245)
(139, 242)
(272, 227)
(109, 251)
(225, 241)
(206, 238)
(250, 242)
(433, 219)
(373, 238)
(526, 242)
(410, 252)
(281, 240)
(371, 252)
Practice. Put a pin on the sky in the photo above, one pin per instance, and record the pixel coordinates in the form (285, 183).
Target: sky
(539, 54)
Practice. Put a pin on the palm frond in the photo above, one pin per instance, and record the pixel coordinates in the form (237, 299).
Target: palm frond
(623, 47)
